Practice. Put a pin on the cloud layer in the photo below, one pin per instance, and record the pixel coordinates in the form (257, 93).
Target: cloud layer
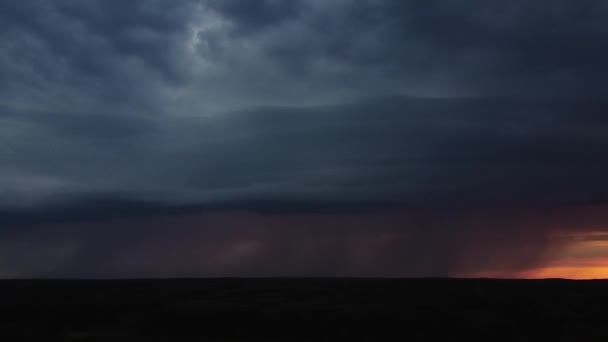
(112, 109)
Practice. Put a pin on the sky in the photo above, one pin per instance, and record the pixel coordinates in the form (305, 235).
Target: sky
(250, 138)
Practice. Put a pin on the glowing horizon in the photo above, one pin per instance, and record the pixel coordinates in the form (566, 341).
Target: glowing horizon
(585, 258)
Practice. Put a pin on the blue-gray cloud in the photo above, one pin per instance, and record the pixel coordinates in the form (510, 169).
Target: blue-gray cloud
(300, 104)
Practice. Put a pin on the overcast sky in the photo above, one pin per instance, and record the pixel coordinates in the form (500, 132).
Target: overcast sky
(238, 121)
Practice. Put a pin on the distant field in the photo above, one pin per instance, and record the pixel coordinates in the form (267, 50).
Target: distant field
(304, 310)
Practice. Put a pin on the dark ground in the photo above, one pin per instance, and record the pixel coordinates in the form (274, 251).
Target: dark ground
(304, 310)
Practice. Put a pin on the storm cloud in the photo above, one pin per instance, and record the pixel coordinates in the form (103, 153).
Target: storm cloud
(114, 110)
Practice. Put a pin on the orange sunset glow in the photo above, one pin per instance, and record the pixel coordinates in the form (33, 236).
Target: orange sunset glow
(585, 258)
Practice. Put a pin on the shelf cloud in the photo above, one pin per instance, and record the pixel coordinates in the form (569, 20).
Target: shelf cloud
(114, 114)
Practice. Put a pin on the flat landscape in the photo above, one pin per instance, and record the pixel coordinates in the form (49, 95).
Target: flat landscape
(304, 310)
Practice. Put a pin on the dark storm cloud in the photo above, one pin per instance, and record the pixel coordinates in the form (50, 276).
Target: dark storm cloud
(88, 35)
(88, 55)
(305, 137)
(195, 55)
(521, 48)
(394, 151)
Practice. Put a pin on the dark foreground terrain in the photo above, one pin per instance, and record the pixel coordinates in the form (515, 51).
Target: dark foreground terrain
(304, 310)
